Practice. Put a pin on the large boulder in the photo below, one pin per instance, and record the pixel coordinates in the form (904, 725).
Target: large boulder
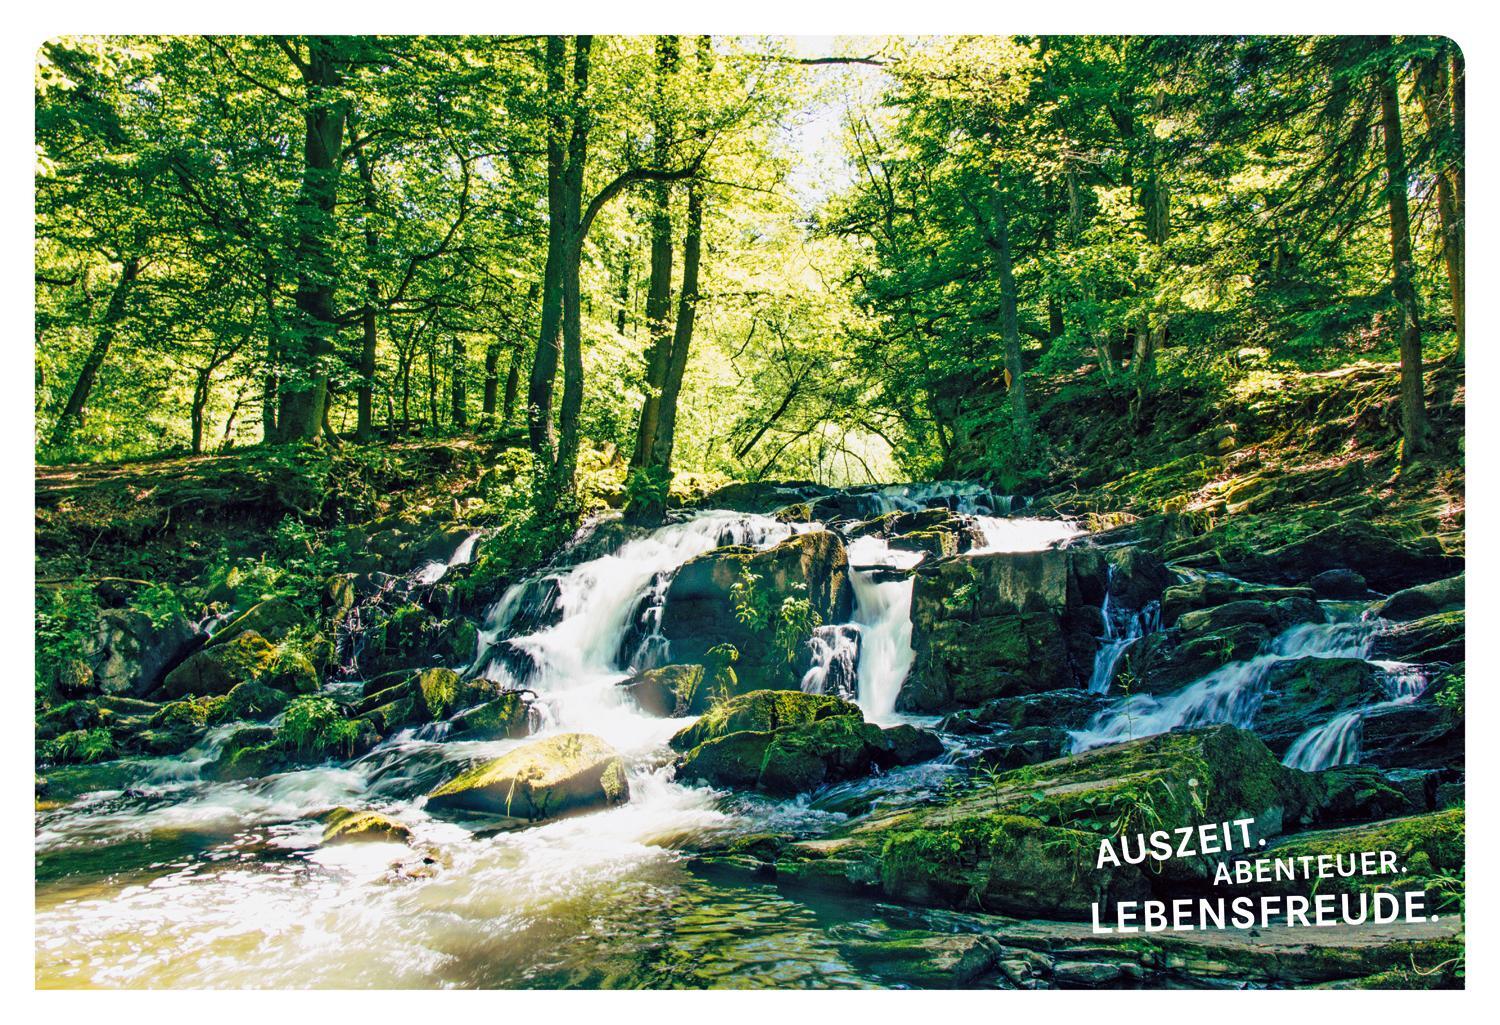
(1208, 591)
(273, 619)
(1069, 709)
(988, 626)
(703, 608)
(429, 696)
(1445, 595)
(571, 772)
(763, 712)
(1137, 577)
(129, 653)
(673, 690)
(1417, 735)
(1386, 562)
(798, 756)
(1027, 843)
(221, 667)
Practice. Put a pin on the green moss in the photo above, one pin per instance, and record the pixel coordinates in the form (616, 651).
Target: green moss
(1429, 855)
(343, 825)
(762, 711)
(315, 726)
(80, 747)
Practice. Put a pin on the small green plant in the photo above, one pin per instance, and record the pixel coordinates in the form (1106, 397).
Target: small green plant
(751, 605)
(795, 622)
(158, 603)
(719, 674)
(80, 747)
(65, 621)
(315, 725)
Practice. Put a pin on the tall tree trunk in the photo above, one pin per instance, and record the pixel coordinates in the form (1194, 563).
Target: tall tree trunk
(1009, 328)
(491, 377)
(572, 320)
(201, 382)
(1440, 87)
(682, 338)
(1413, 405)
(72, 411)
(270, 386)
(369, 342)
(304, 397)
(460, 384)
(659, 287)
(622, 315)
(544, 366)
(512, 385)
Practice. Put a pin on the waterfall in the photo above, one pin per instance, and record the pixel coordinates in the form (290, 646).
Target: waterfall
(1337, 742)
(575, 659)
(835, 661)
(434, 570)
(882, 609)
(1230, 694)
(1116, 641)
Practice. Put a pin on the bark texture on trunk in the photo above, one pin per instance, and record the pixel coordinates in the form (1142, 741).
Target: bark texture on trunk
(1413, 405)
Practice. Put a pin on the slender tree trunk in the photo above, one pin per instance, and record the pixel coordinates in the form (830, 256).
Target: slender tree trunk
(270, 387)
(72, 411)
(304, 398)
(544, 366)
(460, 388)
(1439, 88)
(1009, 328)
(659, 287)
(201, 382)
(1413, 406)
(682, 338)
(566, 463)
(512, 385)
(369, 342)
(622, 315)
(491, 378)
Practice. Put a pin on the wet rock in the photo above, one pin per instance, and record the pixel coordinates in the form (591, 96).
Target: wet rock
(1418, 735)
(1435, 638)
(1028, 843)
(800, 758)
(668, 691)
(1386, 562)
(570, 772)
(1339, 584)
(412, 637)
(1424, 600)
(506, 715)
(272, 619)
(251, 700)
(1138, 577)
(429, 696)
(989, 626)
(219, 668)
(1069, 709)
(345, 825)
(701, 607)
(1360, 793)
(1026, 746)
(763, 711)
(1087, 974)
(1307, 692)
(129, 654)
(1206, 592)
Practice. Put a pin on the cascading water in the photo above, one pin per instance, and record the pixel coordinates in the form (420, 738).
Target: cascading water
(1230, 694)
(1117, 639)
(835, 661)
(1338, 741)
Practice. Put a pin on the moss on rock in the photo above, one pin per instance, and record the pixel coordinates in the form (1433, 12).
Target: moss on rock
(540, 780)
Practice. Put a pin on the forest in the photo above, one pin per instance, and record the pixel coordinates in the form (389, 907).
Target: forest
(741, 442)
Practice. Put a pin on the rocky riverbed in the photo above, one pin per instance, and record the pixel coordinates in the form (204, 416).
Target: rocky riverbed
(796, 736)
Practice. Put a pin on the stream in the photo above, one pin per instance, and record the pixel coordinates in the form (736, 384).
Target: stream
(160, 878)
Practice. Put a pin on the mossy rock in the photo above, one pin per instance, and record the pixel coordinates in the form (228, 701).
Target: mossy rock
(1207, 592)
(503, 717)
(273, 619)
(1429, 851)
(429, 696)
(1027, 842)
(541, 780)
(763, 711)
(668, 691)
(250, 700)
(345, 825)
(1308, 692)
(64, 718)
(1445, 595)
(1274, 616)
(1435, 638)
(218, 669)
(794, 758)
